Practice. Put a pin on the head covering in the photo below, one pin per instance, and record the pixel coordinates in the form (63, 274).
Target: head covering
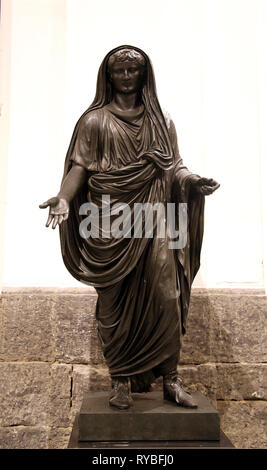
(72, 245)
(149, 97)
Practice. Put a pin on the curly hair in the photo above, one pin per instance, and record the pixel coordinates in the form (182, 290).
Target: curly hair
(126, 54)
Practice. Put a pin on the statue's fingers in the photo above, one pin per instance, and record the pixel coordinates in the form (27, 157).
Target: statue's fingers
(49, 220)
(60, 218)
(211, 189)
(44, 205)
(50, 202)
(208, 182)
(202, 190)
(199, 182)
(213, 183)
(55, 221)
(203, 181)
(205, 190)
(65, 216)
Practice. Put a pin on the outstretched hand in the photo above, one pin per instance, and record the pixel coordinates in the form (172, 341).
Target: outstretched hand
(204, 186)
(58, 210)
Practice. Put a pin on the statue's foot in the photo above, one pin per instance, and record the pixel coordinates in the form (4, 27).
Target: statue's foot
(173, 391)
(120, 396)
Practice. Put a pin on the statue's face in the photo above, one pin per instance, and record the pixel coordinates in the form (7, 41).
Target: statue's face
(126, 77)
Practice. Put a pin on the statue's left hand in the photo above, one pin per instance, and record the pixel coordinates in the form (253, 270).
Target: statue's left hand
(58, 210)
(204, 186)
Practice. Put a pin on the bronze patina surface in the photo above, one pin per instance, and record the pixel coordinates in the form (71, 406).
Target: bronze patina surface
(125, 147)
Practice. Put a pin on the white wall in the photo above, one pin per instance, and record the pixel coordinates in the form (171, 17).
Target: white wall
(5, 34)
(210, 66)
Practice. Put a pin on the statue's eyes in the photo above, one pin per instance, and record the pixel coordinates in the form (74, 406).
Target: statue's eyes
(122, 71)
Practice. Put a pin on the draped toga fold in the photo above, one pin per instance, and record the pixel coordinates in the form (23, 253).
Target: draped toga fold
(143, 285)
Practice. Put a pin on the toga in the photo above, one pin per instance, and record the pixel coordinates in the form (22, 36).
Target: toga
(143, 285)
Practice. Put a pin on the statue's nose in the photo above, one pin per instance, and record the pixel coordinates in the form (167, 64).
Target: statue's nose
(126, 74)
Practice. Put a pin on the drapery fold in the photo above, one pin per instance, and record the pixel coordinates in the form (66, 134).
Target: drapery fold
(143, 286)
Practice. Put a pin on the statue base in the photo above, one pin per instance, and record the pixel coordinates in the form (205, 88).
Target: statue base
(150, 419)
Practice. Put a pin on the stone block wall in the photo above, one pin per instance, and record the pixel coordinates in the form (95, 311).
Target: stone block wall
(49, 355)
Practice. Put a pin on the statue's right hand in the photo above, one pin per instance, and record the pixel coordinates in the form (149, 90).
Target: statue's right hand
(58, 210)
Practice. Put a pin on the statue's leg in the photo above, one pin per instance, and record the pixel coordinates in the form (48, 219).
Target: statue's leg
(139, 323)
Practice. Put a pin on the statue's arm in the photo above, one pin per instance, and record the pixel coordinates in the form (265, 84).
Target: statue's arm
(74, 180)
(82, 156)
(185, 178)
(59, 205)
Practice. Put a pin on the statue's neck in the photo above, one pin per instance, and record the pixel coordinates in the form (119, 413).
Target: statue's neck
(126, 102)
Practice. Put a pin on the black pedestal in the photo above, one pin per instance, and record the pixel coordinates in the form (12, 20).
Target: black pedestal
(151, 422)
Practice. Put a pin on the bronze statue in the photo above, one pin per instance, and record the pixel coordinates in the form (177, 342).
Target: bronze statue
(124, 146)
